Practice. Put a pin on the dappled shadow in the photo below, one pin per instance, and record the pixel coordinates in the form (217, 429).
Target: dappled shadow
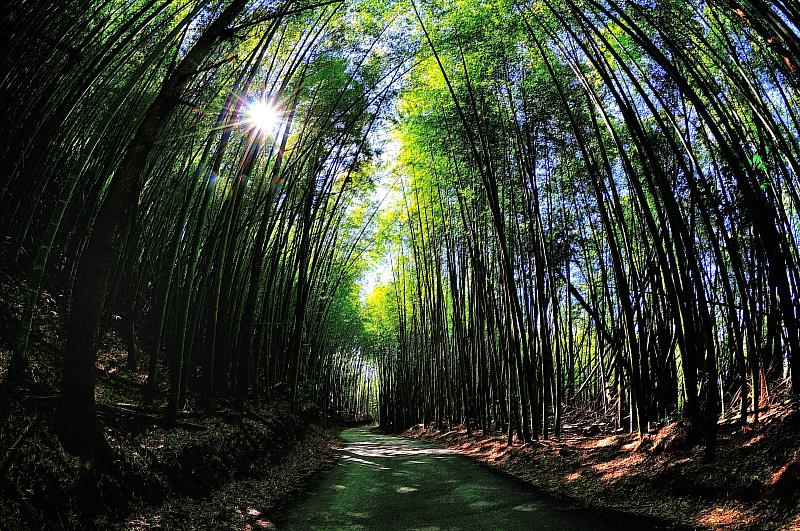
(650, 471)
(386, 453)
(365, 462)
(390, 449)
(386, 482)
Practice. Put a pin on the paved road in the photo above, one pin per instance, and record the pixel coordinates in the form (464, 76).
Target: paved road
(383, 482)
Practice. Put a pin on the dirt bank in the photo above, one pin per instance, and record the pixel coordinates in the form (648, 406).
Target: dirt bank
(752, 484)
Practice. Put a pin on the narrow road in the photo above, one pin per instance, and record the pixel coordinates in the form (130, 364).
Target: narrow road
(384, 482)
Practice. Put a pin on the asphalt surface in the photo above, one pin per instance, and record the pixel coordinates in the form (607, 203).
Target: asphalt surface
(385, 483)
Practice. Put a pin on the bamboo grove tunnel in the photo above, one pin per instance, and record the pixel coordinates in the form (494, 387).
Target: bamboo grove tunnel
(462, 212)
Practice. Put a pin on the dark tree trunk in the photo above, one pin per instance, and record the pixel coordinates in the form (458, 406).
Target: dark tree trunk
(76, 420)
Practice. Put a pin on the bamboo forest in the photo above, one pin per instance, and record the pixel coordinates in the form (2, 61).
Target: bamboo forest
(400, 264)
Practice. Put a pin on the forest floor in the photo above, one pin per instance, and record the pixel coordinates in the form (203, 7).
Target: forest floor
(244, 503)
(211, 473)
(231, 470)
(752, 483)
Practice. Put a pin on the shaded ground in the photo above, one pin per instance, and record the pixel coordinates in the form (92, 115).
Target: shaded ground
(752, 484)
(227, 471)
(212, 473)
(385, 482)
(245, 503)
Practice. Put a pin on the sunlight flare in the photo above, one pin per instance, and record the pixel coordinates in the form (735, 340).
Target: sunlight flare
(262, 116)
